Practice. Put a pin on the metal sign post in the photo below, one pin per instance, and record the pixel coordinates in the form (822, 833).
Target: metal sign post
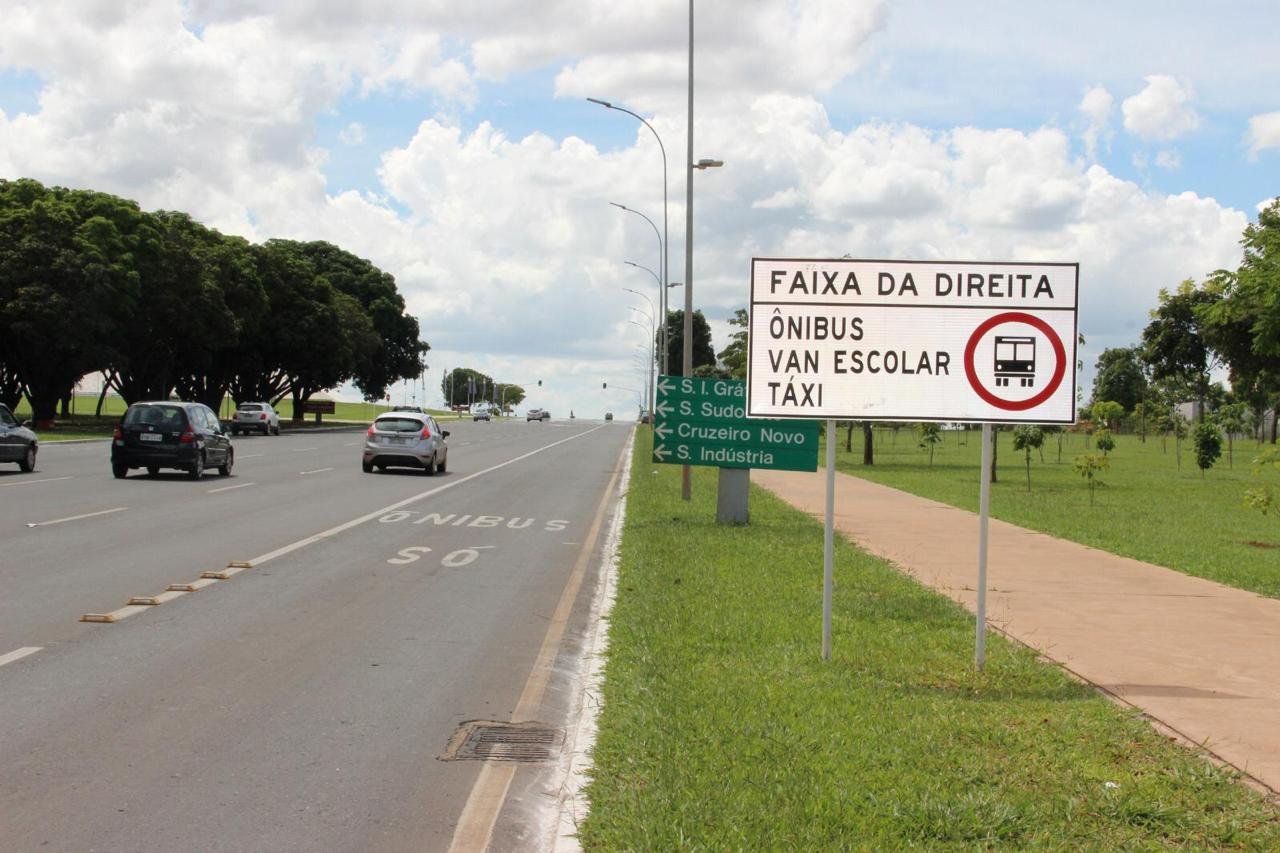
(985, 342)
(828, 542)
(984, 518)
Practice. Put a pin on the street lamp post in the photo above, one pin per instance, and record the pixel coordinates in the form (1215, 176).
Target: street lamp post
(653, 335)
(662, 304)
(661, 251)
(653, 340)
(666, 268)
(686, 488)
(649, 389)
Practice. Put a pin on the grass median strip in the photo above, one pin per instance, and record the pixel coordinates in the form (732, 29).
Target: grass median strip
(723, 729)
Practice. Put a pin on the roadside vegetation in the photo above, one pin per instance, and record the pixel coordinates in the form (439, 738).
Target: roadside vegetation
(1140, 502)
(161, 304)
(723, 729)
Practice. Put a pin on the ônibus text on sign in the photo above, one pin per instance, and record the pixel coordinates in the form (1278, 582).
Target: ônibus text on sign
(991, 342)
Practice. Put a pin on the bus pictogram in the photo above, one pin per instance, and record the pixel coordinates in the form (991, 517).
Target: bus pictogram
(1015, 358)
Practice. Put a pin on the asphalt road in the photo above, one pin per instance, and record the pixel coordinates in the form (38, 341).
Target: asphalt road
(302, 703)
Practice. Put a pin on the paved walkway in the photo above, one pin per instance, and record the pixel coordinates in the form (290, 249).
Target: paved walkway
(1202, 658)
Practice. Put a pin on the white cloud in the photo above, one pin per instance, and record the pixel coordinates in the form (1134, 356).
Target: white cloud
(1161, 111)
(352, 134)
(506, 247)
(1264, 132)
(1096, 106)
(1168, 159)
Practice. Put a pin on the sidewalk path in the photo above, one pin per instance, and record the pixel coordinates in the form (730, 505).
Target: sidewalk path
(1200, 657)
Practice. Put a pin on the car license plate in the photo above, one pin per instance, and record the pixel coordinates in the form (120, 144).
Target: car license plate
(150, 436)
(398, 440)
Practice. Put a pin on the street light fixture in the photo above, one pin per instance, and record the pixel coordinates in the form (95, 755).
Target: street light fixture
(649, 385)
(686, 486)
(661, 249)
(666, 267)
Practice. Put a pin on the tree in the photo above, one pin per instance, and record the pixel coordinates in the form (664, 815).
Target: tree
(1027, 438)
(1244, 323)
(395, 352)
(1104, 441)
(734, 356)
(1232, 418)
(1264, 499)
(457, 385)
(703, 354)
(1120, 377)
(1208, 444)
(510, 395)
(66, 267)
(1106, 413)
(231, 270)
(1173, 343)
(1089, 466)
(930, 435)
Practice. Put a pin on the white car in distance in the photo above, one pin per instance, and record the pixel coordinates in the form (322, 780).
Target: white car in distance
(255, 417)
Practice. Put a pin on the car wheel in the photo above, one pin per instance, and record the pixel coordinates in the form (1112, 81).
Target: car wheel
(441, 468)
(225, 469)
(152, 470)
(119, 470)
(367, 467)
(275, 430)
(27, 463)
(430, 469)
(196, 471)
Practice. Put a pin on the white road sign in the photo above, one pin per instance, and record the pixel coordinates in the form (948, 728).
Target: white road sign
(982, 342)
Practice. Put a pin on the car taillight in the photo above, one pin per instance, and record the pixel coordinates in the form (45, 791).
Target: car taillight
(117, 434)
(262, 417)
(371, 432)
(426, 432)
(188, 436)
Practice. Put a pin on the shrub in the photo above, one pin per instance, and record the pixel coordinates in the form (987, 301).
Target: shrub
(1089, 465)
(1208, 444)
(1027, 438)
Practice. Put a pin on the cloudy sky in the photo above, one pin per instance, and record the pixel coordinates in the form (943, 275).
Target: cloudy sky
(452, 145)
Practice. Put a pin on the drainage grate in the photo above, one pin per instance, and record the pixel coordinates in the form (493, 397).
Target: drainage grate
(485, 740)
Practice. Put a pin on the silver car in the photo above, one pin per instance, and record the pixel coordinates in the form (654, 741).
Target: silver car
(255, 417)
(406, 440)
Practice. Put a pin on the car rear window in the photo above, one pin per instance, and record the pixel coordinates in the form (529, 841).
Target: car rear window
(251, 407)
(156, 415)
(397, 424)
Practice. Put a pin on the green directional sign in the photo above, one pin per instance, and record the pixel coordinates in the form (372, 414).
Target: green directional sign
(704, 422)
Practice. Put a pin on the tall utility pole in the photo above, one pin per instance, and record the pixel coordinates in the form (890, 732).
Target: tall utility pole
(686, 484)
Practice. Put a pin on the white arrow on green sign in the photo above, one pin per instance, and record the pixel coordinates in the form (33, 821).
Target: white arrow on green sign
(703, 422)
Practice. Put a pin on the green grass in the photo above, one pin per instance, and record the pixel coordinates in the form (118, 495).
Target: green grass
(1148, 509)
(722, 728)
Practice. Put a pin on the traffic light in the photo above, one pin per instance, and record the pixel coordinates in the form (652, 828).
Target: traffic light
(539, 383)
(604, 384)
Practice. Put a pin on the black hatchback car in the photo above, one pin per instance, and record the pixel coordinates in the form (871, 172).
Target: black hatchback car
(186, 436)
(17, 442)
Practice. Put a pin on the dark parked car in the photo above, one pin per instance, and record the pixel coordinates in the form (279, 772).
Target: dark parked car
(186, 436)
(17, 442)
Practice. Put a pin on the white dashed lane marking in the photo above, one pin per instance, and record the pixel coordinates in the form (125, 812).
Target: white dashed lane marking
(76, 517)
(19, 654)
(33, 482)
(302, 449)
(229, 488)
(316, 471)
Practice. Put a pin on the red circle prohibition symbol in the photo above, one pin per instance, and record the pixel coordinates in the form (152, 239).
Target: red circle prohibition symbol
(1059, 352)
